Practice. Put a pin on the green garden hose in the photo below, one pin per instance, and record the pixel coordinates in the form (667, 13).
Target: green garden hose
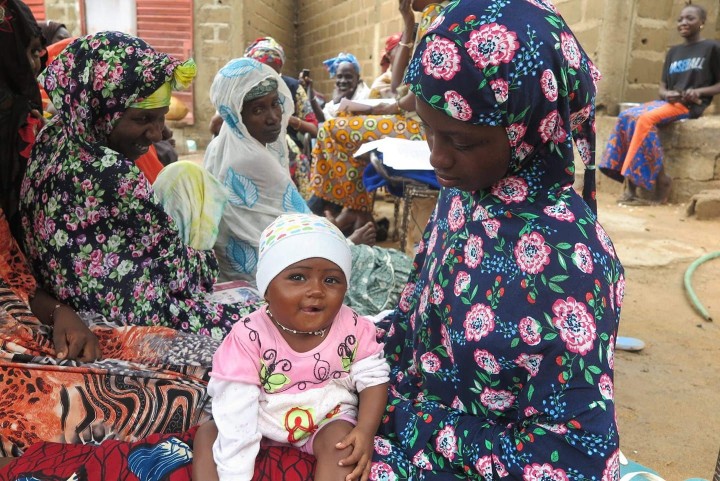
(688, 286)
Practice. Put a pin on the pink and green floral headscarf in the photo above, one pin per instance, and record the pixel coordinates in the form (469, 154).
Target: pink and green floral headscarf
(93, 81)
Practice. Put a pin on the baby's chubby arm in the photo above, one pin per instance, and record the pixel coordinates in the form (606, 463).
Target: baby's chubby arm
(371, 377)
(372, 406)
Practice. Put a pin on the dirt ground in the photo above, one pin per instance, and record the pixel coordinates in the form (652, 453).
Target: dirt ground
(668, 394)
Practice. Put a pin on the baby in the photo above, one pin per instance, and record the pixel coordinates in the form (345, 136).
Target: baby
(294, 371)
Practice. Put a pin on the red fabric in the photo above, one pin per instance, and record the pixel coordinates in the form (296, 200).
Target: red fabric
(283, 464)
(390, 43)
(150, 164)
(160, 456)
(108, 460)
(27, 134)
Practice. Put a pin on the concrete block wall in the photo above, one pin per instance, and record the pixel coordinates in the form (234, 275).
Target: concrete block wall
(692, 156)
(327, 27)
(653, 30)
(627, 39)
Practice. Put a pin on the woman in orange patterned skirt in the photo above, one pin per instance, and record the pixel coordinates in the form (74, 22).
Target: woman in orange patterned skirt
(337, 176)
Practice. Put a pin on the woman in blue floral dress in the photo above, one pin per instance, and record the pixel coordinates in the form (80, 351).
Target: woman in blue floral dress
(502, 344)
(94, 231)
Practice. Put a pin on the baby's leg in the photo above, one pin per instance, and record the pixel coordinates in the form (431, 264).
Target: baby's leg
(203, 464)
(327, 455)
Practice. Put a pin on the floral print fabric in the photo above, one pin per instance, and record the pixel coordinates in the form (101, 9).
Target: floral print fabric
(501, 347)
(95, 234)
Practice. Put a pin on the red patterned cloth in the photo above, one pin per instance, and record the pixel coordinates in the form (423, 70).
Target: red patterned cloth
(160, 456)
(166, 457)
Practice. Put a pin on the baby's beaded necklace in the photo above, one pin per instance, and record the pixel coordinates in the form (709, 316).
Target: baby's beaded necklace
(319, 332)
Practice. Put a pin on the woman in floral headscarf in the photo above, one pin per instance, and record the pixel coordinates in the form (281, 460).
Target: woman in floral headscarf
(502, 344)
(94, 231)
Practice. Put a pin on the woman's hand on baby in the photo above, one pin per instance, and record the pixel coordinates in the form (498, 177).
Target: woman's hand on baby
(72, 338)
(361, 456)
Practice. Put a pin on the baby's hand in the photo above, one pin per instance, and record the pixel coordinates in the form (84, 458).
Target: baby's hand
(361, 456)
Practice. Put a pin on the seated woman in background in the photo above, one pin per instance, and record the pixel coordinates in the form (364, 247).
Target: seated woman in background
(345, 69)
(249, 157)
(381, 87)
(690, 79)
(303, 120)
(268, 51)
(337, 176)
(94, 231)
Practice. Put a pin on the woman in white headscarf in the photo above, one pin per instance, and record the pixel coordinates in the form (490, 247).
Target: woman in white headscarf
(255, 172)
(250, 158)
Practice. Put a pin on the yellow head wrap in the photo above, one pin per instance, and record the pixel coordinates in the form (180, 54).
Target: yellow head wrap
(181, 79)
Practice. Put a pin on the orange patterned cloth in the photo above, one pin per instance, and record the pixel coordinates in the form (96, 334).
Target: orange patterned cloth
(149, 164)
(152, 379)
(336, 175)
(14, 269)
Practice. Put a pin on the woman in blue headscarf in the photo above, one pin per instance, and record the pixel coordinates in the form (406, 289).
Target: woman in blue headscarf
(502, 344)
(336, 175)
